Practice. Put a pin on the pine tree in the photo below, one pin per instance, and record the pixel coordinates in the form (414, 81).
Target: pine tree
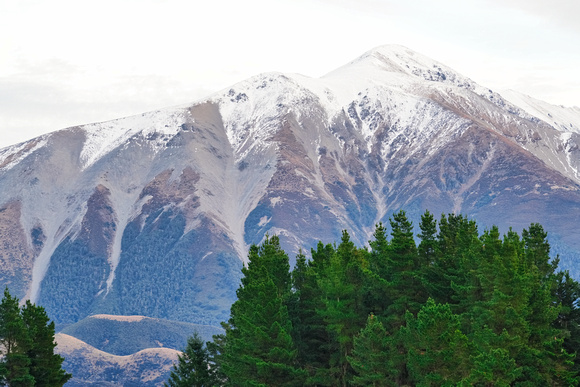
(568, 321)
(14, 342)
(449, 278)
(312, 339)
(296, 306)
(259, 349)
(406, 288)
(216, 349)
(370, 356)
(194, 368)
(344, 311)
(543, 358)
(45, 365)
(492, 365)
(378, 274)
(438, 352)
(428, 246)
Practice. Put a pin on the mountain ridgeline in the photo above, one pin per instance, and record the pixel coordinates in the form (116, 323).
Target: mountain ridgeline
(153, 214)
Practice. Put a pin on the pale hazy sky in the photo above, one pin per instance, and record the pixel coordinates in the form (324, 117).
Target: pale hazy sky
(70, 62)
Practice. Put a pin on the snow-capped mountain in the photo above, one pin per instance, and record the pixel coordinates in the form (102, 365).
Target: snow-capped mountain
(153, 214)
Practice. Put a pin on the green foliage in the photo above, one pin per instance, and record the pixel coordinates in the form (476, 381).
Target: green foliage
(15, 343)
(194, 368)
(27, 345)
(344, 311)
(259, 349)
(568, 321)
(406, 290)
(371, 358)
(458, 309)
(438, 352)
(313, 341)
(45, 365)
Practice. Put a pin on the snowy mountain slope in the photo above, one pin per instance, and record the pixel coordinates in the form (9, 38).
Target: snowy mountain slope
(153, 214)
(565, 119)
(563, 151)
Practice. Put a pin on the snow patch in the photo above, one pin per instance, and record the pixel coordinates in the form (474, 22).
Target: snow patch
(263, 221)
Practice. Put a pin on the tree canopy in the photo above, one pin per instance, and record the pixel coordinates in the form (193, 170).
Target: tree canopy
(448, 306)
(27, 346)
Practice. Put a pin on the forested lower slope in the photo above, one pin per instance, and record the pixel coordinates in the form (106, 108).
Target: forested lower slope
(460, 308)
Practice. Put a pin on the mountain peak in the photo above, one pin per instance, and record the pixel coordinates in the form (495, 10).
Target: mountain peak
(396, 61)
(391, 52)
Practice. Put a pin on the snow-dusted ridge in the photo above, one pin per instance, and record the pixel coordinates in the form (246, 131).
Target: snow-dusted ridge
(564, 119)
(103, 137)
(12, 155)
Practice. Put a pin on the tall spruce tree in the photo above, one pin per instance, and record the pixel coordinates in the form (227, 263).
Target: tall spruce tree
(313, 340)
(259, 349)
(378, 274)
(309, 329)
(543, 358)
(344, 312)
(406, 288)
(428, 245)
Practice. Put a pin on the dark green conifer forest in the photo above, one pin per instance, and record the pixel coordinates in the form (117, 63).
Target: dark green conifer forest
(459, 308)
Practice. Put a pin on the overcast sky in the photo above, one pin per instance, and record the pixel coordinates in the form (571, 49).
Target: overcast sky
(70, 62)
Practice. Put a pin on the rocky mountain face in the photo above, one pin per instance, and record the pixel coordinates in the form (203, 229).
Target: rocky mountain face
(152, 215)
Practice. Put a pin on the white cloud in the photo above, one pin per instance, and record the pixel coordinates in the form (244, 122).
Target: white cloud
(67, 62)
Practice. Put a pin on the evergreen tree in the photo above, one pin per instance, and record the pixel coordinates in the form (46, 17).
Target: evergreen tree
(259, 350)
(428, 246)
(460, 247)
(438, 352)
(492, 364)
(313, 341)
(370, 356)
(543, 358)
(568, 321)
(45, 365)
(216, 350)
(14, 344)
(296, 305)
(344, 311)
(194, 368)
(405, 286)
(377, 275)
(379, 259)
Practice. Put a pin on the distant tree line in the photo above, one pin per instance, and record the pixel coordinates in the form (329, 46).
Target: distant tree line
(460, 308)
(27, 345)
